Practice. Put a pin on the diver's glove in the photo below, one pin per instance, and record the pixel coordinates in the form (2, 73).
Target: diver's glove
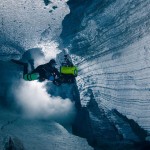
(51, 78)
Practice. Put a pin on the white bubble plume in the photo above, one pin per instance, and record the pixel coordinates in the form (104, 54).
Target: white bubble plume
(33, 98)
(35, 102)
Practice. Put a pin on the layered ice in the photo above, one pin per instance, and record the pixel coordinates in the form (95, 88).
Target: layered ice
(110, 43)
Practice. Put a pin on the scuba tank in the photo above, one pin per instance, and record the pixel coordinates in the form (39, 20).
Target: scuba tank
(72, 70)
(67, 67)
(31, 77)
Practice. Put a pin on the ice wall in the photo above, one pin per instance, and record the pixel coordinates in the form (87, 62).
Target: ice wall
(29, 24)
(110, 42)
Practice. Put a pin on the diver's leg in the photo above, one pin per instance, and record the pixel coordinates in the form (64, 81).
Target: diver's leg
(17, 62)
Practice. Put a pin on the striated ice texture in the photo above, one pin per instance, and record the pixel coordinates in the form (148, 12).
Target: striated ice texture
(110, 43)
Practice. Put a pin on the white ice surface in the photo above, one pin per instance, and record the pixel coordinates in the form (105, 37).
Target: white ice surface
(37, 134)
(27, 22)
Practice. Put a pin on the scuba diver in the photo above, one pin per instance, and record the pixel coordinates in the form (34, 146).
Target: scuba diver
(42, 72)
(67, 73)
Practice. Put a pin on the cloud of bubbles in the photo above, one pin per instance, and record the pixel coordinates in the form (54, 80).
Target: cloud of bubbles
(33, 98)
(35, 102)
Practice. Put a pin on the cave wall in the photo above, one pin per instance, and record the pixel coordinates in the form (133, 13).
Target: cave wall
(109, 41)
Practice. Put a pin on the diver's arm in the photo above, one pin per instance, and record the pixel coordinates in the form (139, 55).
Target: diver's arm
(57, 72)
(37, 69)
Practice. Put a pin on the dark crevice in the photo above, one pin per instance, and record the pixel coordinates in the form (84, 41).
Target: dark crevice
(104, 134)
(140, 132)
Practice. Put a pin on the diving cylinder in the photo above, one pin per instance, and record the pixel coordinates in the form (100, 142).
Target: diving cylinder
(69, 70)
(31, 77)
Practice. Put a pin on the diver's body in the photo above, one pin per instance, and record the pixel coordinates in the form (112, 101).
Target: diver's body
(67, 73)
(46, 70)
(42, 72)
